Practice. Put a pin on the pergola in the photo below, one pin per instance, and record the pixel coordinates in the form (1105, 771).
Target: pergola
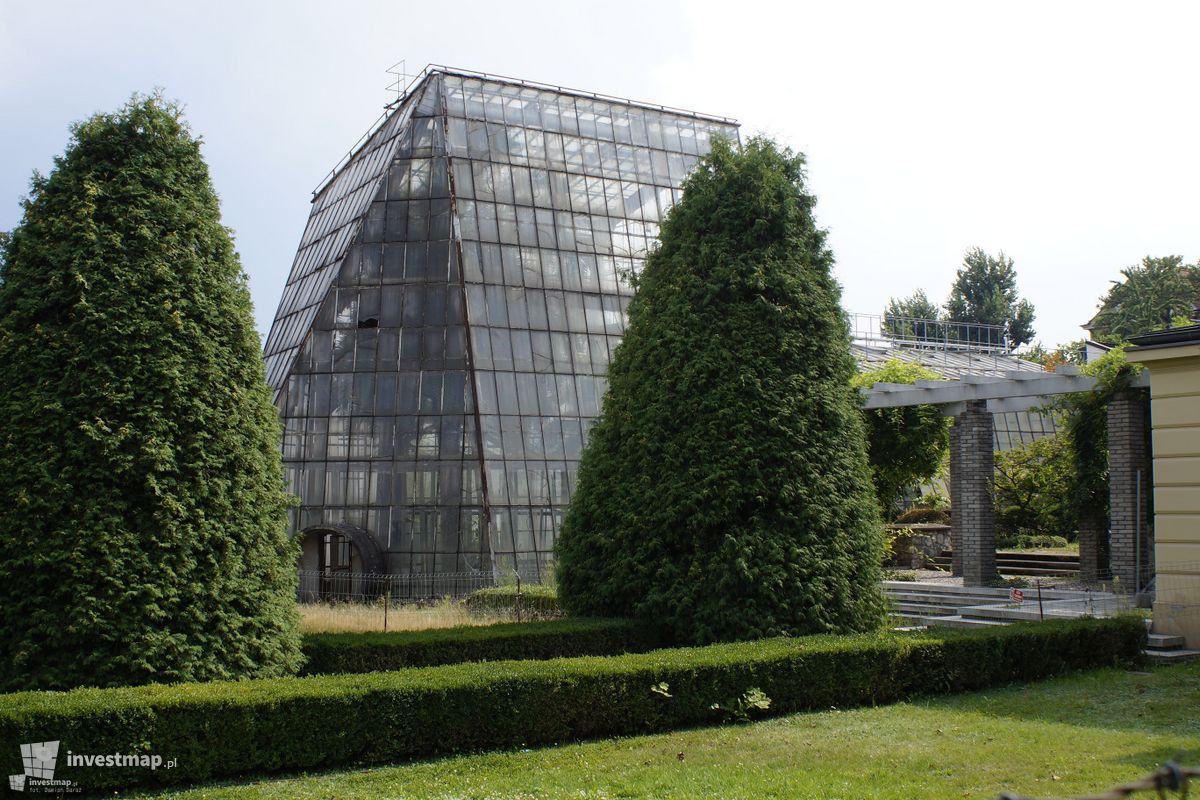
(971, 401)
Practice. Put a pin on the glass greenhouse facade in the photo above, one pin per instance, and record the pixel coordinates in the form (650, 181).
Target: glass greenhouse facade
(440, 348)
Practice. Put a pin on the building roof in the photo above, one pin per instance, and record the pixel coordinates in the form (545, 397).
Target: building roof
(340, 204)
(1167, 337)
(946, 362)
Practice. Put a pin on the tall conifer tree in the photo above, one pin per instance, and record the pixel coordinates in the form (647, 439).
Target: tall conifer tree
(142, 505)
(985, 293)
(725, 492)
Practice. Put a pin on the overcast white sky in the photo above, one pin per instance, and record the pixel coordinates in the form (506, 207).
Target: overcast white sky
(1063, 133)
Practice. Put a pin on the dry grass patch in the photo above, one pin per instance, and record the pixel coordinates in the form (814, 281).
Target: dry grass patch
(368, 617)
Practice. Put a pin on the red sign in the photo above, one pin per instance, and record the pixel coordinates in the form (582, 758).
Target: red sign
(1016, 595)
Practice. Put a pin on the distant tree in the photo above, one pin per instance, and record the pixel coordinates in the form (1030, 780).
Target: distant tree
(912, 317)
(725, 491)
(142, 503)
(1157, 293)
(1069, 353)
(905, 445)
(985, 292)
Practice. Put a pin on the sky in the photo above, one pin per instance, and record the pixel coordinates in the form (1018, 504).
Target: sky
(1058, 132)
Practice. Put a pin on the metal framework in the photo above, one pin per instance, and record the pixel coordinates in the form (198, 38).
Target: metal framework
(1014, 391)
(934, 334)
(442, 344)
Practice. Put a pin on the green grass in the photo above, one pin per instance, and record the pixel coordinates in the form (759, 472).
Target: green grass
(1060, 738)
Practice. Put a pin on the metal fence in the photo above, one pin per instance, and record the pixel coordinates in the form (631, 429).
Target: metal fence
(932, 334)
(362, 602)
(335, 586)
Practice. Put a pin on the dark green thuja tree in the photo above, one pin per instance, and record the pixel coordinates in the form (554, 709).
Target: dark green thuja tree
(142, 504)
(725, 493)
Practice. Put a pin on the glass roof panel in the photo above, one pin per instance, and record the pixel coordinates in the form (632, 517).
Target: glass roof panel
(338, 210)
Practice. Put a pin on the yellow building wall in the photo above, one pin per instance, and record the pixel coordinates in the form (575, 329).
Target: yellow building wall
(1175, 420)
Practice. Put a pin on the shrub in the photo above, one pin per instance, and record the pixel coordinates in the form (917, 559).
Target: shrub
(231, 728)
(377, 652)
(725, 491)
(935, 496)
(905, 445)
(537, 599)
(1032, 542)
(917, 516)
(1033, 488)
(899, 575)
(142, 503)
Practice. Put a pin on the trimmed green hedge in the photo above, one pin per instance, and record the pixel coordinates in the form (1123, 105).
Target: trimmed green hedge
(535, 598)
(218, 730)
(330, 653)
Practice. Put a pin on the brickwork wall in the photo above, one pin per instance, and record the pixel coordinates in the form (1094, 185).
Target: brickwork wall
(1126, 458)
(974, 512)
(955, 525)
(1093, 550)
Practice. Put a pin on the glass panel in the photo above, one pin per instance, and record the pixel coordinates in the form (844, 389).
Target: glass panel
(511, 438)
(406, 437)
(451, 444)
(506, 390)
(522, 349)
(501, 349)
(531, 428)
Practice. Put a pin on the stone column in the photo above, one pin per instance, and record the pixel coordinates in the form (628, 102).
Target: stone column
(974, 512)
(1126, 459)
(955, 527)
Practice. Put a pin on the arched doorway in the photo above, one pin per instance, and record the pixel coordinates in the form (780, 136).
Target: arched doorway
(335, 561)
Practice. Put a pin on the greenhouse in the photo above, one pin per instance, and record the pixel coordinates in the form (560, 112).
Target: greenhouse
(440, 347)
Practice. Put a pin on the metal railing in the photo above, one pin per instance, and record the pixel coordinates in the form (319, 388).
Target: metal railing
(933, 334)
(317, 586)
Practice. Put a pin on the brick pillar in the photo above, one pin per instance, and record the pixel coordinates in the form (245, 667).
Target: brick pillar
(974, 512)
(1093, 548)
(955, 484)
(1126, 458)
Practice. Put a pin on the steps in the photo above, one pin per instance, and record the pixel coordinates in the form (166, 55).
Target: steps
(914, 605)
(919, 599)
(950, 605)
(1162, 648)
(1019, 562)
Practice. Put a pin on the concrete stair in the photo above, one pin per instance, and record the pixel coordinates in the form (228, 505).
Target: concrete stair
(916, 605)
(1163, 648)
(1017, 562)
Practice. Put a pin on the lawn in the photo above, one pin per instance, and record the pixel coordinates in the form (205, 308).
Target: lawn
(1060, 738)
